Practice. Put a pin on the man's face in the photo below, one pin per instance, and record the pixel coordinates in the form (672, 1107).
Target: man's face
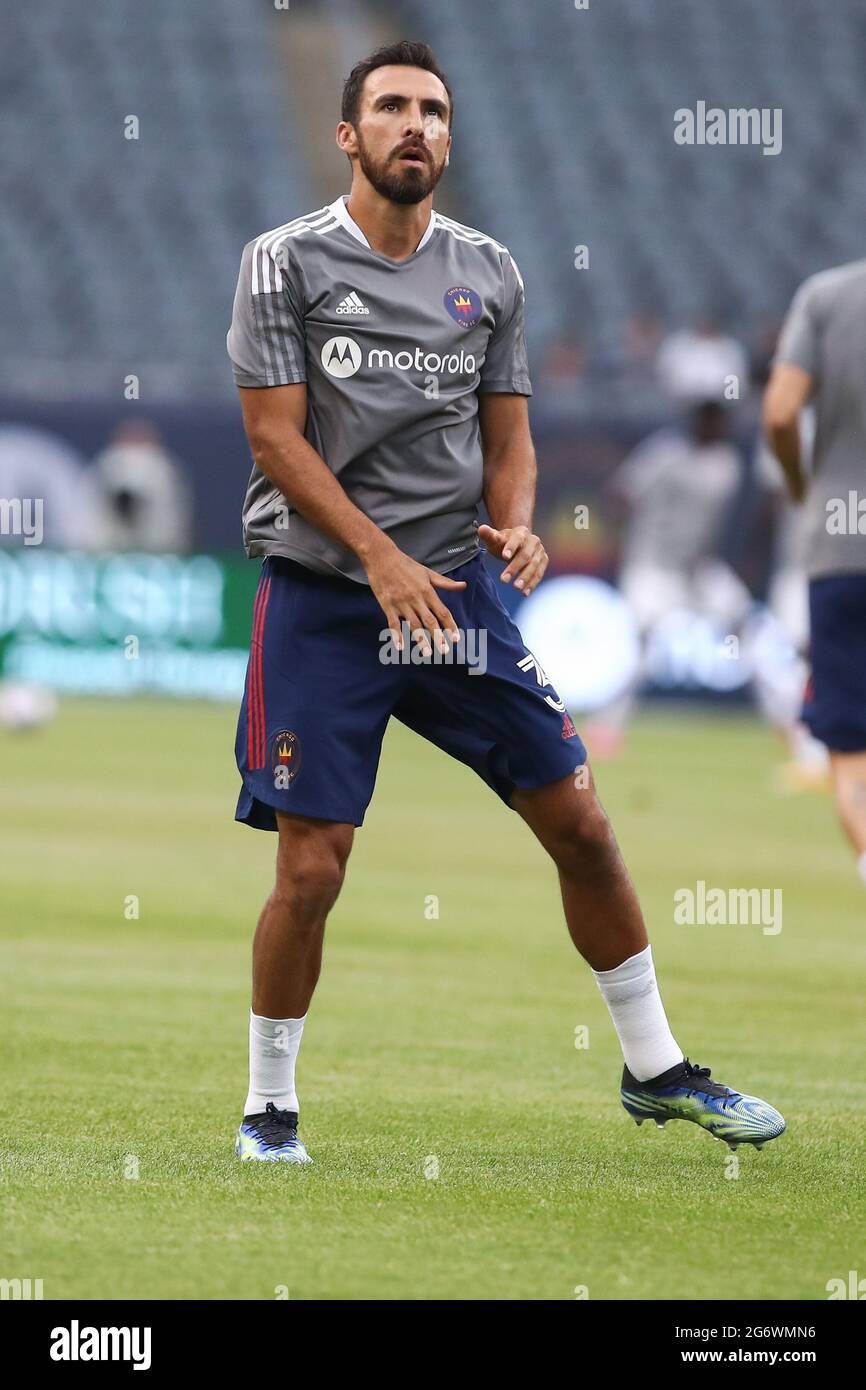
(401, 137)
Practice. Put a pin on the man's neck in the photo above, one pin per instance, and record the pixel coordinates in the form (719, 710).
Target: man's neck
(392, 229)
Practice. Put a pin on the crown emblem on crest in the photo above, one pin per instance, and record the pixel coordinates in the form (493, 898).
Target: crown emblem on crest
(464, 305)
(286, 756)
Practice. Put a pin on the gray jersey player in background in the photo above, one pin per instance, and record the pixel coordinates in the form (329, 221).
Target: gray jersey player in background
(821, 357)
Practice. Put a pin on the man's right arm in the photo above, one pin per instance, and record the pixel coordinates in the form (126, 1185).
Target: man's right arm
(791, 383)
(274, 419)
(787, 392)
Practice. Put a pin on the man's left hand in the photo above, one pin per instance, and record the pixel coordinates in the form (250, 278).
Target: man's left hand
(526, 556)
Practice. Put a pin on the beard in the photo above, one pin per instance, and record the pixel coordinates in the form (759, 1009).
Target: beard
(399, 183)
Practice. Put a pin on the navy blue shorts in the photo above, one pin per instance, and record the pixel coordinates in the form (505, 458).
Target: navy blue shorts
(835, 702)
(318, 697)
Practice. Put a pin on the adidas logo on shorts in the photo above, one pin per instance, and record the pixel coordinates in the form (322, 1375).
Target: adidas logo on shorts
(352, 305)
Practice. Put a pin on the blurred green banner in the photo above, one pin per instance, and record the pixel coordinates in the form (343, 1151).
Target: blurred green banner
(126, 624)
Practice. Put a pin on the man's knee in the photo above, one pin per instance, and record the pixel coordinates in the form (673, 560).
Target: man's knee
(311, 865)
(583, 840)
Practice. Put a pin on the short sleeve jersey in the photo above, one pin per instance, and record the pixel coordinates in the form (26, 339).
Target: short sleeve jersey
(825, 334)
(394, 354)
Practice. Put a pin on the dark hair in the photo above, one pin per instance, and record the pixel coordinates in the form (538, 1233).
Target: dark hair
(406, 53)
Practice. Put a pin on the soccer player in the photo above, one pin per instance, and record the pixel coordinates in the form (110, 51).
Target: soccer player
(821, 357)
(679, 486)
(379, 351)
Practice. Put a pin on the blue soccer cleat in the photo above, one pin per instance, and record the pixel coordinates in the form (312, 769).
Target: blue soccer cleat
(271, 1137)
(687, 1093)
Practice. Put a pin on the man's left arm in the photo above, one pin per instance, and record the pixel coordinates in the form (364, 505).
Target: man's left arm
(509, 488)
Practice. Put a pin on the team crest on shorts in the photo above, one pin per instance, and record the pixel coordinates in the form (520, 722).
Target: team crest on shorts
(464, 305)
(285, 758)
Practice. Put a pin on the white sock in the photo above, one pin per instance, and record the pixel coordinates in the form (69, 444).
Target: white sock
(861, 866)
(632, 996)
(274, 1044)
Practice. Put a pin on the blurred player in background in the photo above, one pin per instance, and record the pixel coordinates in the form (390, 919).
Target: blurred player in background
(678, 487)
(779, 634)
(141, 499)
(821, 357)
(380, 353)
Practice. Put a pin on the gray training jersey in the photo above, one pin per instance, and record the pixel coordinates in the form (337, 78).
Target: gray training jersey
(393, 354)
(825, 334)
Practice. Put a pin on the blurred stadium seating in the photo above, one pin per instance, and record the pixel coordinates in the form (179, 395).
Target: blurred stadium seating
(120, 255)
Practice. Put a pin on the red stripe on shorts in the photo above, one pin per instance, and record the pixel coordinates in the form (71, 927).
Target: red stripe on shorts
(256, 727)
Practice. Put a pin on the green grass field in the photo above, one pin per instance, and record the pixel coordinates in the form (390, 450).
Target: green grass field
(442, 1044)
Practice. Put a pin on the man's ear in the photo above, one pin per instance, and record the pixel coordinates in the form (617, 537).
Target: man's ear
(345, 136)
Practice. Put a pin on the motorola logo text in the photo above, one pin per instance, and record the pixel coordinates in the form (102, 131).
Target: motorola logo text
(342, 357)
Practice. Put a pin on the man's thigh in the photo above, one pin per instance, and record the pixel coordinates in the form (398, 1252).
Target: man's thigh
(501, 716)
(316, 702)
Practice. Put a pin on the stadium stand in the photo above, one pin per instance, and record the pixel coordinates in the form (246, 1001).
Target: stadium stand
(106, 274)
(581, 151)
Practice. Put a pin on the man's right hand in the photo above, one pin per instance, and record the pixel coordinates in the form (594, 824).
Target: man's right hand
(406, 592)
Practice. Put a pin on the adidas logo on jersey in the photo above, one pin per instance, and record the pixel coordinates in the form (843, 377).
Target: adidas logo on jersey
(352, 304)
